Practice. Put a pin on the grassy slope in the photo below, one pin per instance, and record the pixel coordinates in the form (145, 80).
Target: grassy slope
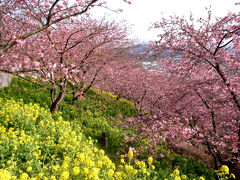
(94, 113)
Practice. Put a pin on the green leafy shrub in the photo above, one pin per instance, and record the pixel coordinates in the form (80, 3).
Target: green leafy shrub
(187, 165)
(28, 92)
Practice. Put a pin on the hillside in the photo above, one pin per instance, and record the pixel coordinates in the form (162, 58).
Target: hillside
(68, 144)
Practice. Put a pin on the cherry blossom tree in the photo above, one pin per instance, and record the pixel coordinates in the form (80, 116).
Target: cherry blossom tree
(21, 19)
(128, 79)
(63, 54)
(93, 72)
(202, 102)
(195, 94)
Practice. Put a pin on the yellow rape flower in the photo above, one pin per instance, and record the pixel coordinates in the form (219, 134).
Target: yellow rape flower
(85, 171)
(110, 172)
(55, 168)
(52, 177)
(144, 170)
(233, 176)
(118, 175)
(81, 156)
(24, 176)
(64, 175)
(150, 160)
(75, 171)
(67, 159)
(99, 164)
(9, 162)
(4, 174)
(40, 175)
(128, 168)
(176, 172)
(177, 178)
(113, 166)
(224, 169)
(141, 164)
(29, 168)
(130, 154)
(95, 150)
(184, 177)
(64, 166)
(107, 161)
(101, 152)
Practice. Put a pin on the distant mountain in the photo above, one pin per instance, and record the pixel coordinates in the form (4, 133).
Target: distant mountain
(140, 48)
(151, 62)
(139, 51)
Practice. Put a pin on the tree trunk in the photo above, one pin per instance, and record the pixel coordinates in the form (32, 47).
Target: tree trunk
(77, 94)
(215, 160)
(104, 139)
(237, 103)
(118, 97)
(74, 99)
(58, 100)
(53, 93)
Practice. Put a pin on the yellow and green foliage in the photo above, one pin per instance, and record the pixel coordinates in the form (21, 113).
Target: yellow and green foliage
(34, 145)
(93, 112)
(187, 165)
(223, 173)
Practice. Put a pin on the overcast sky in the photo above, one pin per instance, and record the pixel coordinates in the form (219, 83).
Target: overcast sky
(142, 13)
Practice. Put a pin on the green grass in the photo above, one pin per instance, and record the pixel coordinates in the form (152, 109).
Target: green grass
(94, 111)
